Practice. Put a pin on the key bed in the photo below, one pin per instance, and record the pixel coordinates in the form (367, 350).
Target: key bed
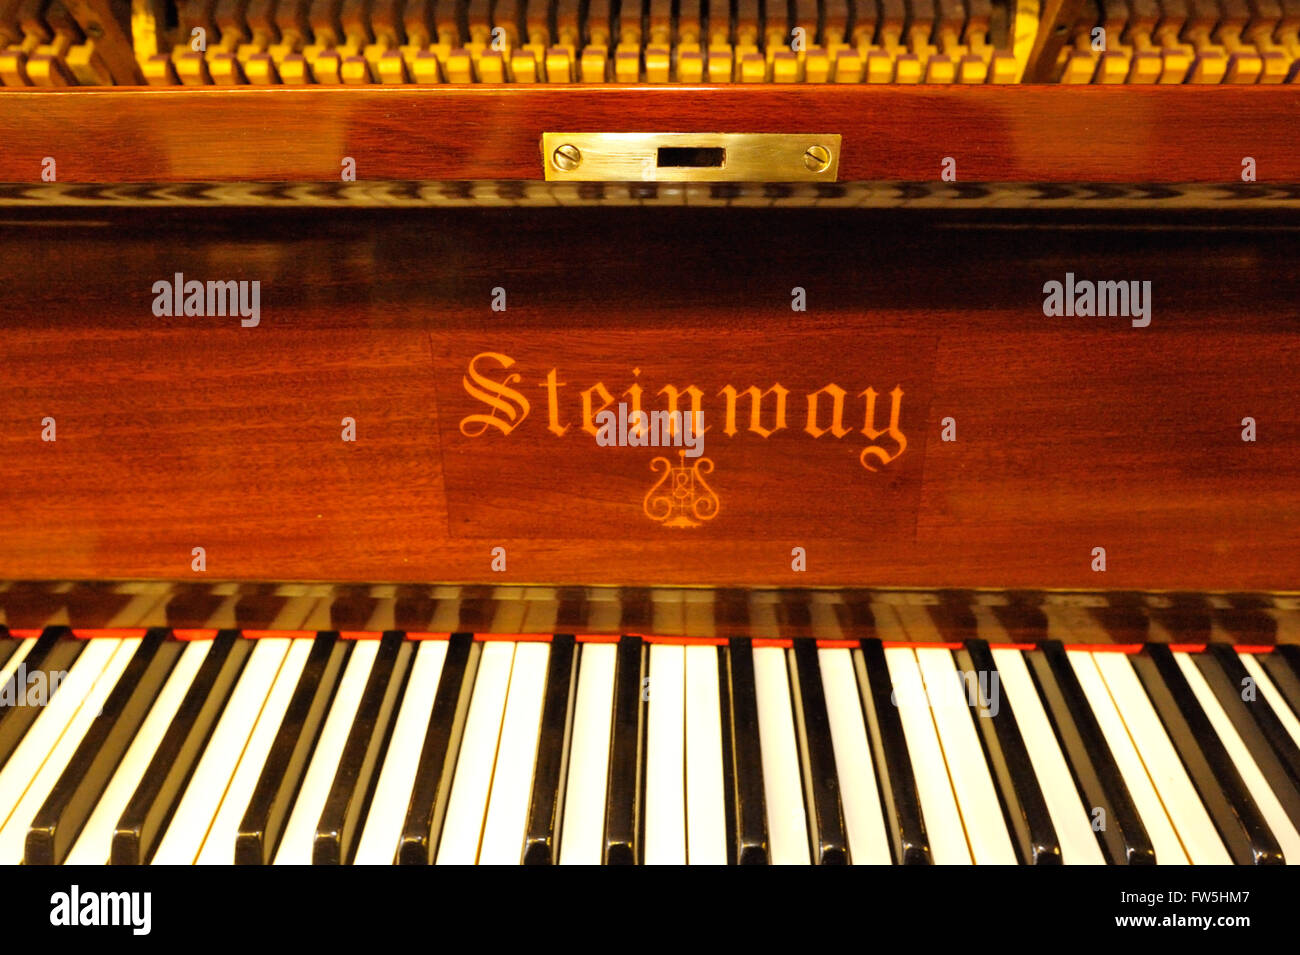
(921, 742)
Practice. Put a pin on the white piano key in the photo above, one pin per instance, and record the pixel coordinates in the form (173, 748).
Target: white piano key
(1271, 695)
(1191, 820)
(977, 800)
(383, 825)
(938, 803)
(13, 836)
(300, 831)
(463, 829)
(582, 831)
(706, 806)
(864, 819)
(11, 665)
(1070, 819)
(193, 817)
(43, 735)
(95, 843)
(512, 781)
(787, 819)
(1260, 791)
(1164, 840)
(665, 769)
(219, 846)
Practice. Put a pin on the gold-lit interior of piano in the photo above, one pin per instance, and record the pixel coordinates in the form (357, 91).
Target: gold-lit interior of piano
(358, 42)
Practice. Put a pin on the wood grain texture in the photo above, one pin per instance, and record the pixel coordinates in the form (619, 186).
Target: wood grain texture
(1072, 433)
(996, 134)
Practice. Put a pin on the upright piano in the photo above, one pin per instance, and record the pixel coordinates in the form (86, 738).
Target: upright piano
(649, 431)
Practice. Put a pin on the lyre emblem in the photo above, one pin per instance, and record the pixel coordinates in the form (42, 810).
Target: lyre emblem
(681, 497)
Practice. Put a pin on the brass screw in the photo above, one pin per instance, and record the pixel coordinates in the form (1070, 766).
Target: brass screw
(566, 157)
(817, 158)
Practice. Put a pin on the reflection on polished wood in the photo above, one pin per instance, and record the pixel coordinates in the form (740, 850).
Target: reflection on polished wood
(1252, 621)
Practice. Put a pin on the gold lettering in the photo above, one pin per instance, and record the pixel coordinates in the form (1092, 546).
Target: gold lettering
(553, 387)
(636, 423)
(498, 396)
(837, 412)
(755, 409)
(697, 406)
(588, 412)
(893, 430)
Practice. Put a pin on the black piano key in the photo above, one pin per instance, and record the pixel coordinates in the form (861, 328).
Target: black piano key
(821, 780)
(728, 768)
(432, 787)
(154, 801)
(357, 772)
(750, 804)
(545, 804)
(60, 819)
(286, 763)
(51, 656)
(1027, 817)
(1283, 668)
(1123, 838)
(1238, 820)
(626, 751)
(1262, 733)
(899, 795)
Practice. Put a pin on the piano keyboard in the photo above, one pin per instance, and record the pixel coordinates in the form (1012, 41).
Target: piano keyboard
(297, 747)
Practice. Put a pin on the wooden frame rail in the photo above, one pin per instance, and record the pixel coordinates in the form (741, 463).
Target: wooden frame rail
(1101, 134)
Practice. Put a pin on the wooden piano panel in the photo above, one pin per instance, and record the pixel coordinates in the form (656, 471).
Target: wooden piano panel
(1106, 134)
(1071, 433)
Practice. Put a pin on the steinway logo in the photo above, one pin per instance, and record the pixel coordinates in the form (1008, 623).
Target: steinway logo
(830, 411)
(75, 907)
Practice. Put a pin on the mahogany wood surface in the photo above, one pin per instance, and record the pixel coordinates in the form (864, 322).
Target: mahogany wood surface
(1072, 433)
(1163, 134)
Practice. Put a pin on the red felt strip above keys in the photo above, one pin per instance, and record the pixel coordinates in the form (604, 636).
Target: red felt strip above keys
(785, 643)
(597, 638)
(1105, 647)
